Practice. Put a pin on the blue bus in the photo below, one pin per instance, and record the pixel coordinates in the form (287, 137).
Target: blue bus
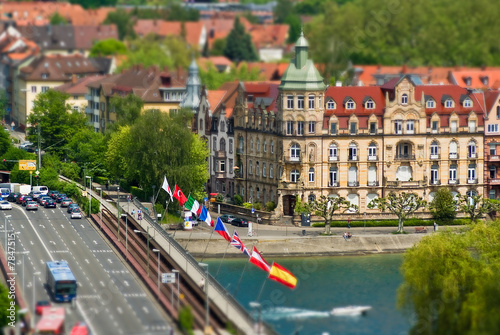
(61, 281)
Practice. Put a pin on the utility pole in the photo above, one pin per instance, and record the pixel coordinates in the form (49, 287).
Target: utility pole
(39, 149)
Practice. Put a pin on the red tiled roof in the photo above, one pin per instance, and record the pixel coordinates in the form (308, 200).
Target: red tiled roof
(476, 78)
(262, 90)
(193, 30)
(215, 98)
(358, 94)
(269, 71)
(78, 87)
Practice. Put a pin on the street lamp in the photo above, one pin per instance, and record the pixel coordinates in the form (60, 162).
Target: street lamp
(178, 279)
(118, 199)
(90, 195)
(205, 265)
(158, 252)
(23, 253)
(5, 230)
(149, 237)
(126, 232)
(34, 299)
(255, 304)
(100, 204)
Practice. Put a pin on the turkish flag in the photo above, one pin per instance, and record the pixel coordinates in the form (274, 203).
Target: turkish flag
(179, 195)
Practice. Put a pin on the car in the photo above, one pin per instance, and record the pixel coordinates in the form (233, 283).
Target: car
(53, 194)
(66, 202)
(26, 144)
(72, 207)
(5, 205)
(76, 213)
(80, 328)
(50, 203)
(41, 305)
(60, 197)
(227, 218)
(35, 195)
(43, 199)
(26, 199)
(20, 198)
(13, 196)
(240, 222)
(31, 205)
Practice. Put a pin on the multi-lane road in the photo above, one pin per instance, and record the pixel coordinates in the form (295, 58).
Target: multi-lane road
(109, 298)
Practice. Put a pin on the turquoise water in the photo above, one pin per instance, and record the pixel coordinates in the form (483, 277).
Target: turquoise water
(324, 283)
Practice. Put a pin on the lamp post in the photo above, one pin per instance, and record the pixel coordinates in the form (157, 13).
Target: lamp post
(90, 195)
(100, 205)
(126, 232)
(158, 252)
(257, 305)
(148, 238)
(178, 279)
(5, 231)
(118, 199)
(23, 253)
(205, 265)
(34, 299)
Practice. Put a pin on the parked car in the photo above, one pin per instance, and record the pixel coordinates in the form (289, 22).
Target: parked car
(227, 218)
(13, 196)
(43, 199)
(5, 205)
(31, 205)
(76, 213)
(60, 197)
(66, 202)
(41, 305)
(240, 222)
(50, 203)
(20, 198)
(72, 207)
(26, 199)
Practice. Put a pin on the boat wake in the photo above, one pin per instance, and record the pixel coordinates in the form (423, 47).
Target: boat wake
(351, 310)
(290, 313)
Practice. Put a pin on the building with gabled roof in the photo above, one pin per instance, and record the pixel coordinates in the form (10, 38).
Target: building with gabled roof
(194, 33)
(488, 78)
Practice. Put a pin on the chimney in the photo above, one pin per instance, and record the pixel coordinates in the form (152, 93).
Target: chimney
(338, 83)
(73, 78)
(404, 69)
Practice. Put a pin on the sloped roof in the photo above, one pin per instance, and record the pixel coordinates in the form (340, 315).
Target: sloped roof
(478, 78)
(441, 92)
(359, 94)
(86, 36)
(229, 98)
(193, 30)
(78, 86)
(268, 71)
(263, 93)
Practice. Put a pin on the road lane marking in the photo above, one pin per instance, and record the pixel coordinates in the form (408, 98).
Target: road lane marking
(125, 283)
(119, 309)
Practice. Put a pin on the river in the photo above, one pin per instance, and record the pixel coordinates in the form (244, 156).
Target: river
(324, 283)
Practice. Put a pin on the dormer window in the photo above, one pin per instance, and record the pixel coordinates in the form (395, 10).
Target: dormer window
(404, 99)
(330, 104)
(250, 98)
(350, 104)
(485, 80)
(431, 104)
(45, 75)
(467, 102)
(448, 103)
(370, 104)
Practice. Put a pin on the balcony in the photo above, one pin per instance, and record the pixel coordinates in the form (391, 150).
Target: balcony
(405, 157)
(292, 160)
(96, 125)
(373, 158)
(435, 156)
(96, 112)
(220, 175)
(239, 151)
(453, 181)
(96, 98)
(405, 184)
(493, 158)
(89, 110)
(494, 181)
(352, 183)
(220, 154)
(453, 155)
(472, 181)
(353, 158)
(373, 183)
(89, 97)
(333, 184)
(435, 182)
(472, 156)
(333, 158)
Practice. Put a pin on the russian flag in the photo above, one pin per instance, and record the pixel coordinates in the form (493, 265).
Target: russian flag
(221, 229)
(237, 243)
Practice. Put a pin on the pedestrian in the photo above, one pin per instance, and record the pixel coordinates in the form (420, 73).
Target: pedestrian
(139, 214)
(133, 213)
(349, 223)
(107, 185)
(345, 235)
(202, 283)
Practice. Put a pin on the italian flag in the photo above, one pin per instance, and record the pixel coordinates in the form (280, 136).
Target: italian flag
(192, 205)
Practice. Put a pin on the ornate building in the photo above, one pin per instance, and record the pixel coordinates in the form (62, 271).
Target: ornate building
(492, 144)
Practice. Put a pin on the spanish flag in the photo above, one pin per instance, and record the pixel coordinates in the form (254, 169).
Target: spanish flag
(282, 275)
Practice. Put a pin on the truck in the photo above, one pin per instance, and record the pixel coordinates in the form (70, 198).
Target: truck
(42, 189)
(10, 186)
(22, 188)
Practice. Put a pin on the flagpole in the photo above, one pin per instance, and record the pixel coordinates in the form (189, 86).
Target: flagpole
(202, 257)
(261, 290)
(222, 260)
(241, 277)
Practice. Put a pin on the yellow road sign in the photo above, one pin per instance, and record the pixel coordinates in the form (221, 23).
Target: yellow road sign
(25, 165)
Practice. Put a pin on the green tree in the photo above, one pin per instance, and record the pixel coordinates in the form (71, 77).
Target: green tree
(123, 23)
(127, 108)
(402, 205)
(5, 143)
(213, 79)
(443, 207)
(301, 207)
(108, 47)
(116, 159)
(239, 46)
(295, 27)
(86, 146)
(55, 119)
(94, 3)
(218, 47)
(326, 207)
(475, 206)
(282, 10)
(57, 19)
(4, 306)
(178, 13)
(4, 103)
(451, 280)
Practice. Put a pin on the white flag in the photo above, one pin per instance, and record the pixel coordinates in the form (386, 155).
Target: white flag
(167, 188)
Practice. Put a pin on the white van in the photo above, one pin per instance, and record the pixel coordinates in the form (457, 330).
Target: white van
(42, 189)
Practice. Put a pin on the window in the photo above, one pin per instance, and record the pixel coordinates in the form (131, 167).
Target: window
(242, 143)
(300, 102)
(372, 152)
(493, 172)
(251, 144)
(263, 169)
(404, 99)
(222, 166)
(222, 144)
(398, 127)
(271, 171)
(311, 198)
(230, 146)
(214, 144)
(472, 126)
(300, 127)
(492, 194)
(311, 175)
(330, 104)
(350, 105)
(333, 177)
(332, 152)
(453, 173)
(311, 101)
(352, 176)
(333, 128)
(434, 175)
(498, 112)
(257, 169)
(222, 126)
(472, 149)
(493, 150)
(33, 89)
(373, 128)
(289, 127)
(471, 173)
(75, 108)
(453, 126)
(448, 103)
(294, 176)
(289, 101)
(430, 103)
(453, 150)
(410, 127)
(295, 152)
(265, 146)
(353, 152)
(272, 147)
(370, 104)
(434, 126)
(45, 89)
(231, 166)
(250, 167)
(353, 128)
(312, 127)
(467, 102)
(434, 150)
(258, 145)
(493, 128)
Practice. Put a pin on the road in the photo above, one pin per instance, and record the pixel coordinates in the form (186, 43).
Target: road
(109, 298)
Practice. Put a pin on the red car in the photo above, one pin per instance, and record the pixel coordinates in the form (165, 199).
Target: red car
(41, 305)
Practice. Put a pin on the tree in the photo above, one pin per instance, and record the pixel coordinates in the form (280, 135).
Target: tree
(326, 207)
(295, 27)
(86, 146)
(213, 79)
(55, 119)
(476, 206)
(123, 23)
(282, 10)
(116, 157)
(128, 109)
(443, 207)
(218, 47)
(108, 47)
(57, 18)
(4, 306)
(5, 143)
(4, 103)
(178, 13)
(301, 207)
(239, 46)
(402, 205)
(450, 282)
(94, 3)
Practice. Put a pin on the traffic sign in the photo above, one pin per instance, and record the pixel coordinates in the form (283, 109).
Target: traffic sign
(168, 278)
(253, 210)
(27, 165)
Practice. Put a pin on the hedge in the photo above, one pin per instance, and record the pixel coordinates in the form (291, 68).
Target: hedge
(389, 223)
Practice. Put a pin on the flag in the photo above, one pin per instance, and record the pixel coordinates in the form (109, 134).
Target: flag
(192, 205)
(166, 187)
(237, 243)
(259, 261)
(179, 195)
(222, 230)
(204, 215)
(282, 275)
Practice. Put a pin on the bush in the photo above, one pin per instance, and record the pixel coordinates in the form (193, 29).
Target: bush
(388, 223)
(101, 180)
(186, 320)
(247, 205)
(270, 206)
(257, 206)
(138, 193)
(238, 200)
(219, 197)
